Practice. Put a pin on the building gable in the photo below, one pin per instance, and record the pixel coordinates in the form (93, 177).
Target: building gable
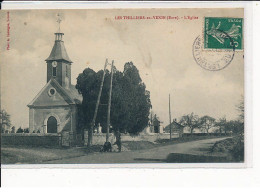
(51, 95)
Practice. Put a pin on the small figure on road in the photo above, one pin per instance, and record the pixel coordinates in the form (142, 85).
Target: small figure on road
(107, 147)
(118, 141)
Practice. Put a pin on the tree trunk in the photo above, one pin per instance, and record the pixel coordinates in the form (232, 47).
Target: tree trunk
(83, 137)
(220, 131)
(90, 134)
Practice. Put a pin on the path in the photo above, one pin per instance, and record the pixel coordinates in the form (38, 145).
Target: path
(195, 151)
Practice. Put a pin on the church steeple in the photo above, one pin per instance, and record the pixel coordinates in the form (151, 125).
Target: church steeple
(59, 63)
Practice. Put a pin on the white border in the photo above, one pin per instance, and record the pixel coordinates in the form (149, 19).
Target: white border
(248, 24)
(120, 4)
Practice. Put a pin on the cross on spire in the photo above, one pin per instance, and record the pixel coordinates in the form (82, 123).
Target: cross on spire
(58, 35)
(59, 20)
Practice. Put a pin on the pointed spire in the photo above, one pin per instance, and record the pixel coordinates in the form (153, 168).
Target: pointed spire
(58, 51)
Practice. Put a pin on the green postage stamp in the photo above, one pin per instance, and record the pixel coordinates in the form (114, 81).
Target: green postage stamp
(223, 33)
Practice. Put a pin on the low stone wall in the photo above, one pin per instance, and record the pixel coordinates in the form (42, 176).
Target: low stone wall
(99, 139)
(37, 139)
(31, 139)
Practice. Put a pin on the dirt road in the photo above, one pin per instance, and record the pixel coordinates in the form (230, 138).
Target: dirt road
(189, 152)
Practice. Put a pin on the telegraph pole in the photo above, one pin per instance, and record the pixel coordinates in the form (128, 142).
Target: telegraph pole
(96, 109)
(109, 103)
(151, 126)
(170, 116)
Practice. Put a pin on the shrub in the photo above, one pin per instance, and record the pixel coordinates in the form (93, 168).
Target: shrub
(20, 130)
(26, 130)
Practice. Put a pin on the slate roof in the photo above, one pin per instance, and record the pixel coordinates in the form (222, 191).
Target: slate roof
(58, 52)
(74, 94)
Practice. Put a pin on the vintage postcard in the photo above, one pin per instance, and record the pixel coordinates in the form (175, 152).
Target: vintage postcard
(113, 86)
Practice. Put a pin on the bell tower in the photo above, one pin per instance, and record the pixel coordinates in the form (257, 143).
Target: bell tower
(59, 63)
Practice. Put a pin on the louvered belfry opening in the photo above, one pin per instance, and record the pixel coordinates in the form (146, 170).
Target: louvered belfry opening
(58, 36)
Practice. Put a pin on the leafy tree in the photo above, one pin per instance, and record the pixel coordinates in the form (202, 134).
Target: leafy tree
(238, 127)
(221, 123)
(87, 85)
(240, 123)
(192, 121)
(207, 122)
(234, 126)
(137, 99)
(229, 126)
(130, 101)
(5, 120)
(241, 110)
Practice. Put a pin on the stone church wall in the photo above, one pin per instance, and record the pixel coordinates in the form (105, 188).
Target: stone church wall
(38, 116)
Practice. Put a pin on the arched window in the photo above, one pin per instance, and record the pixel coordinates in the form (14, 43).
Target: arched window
(54, 71)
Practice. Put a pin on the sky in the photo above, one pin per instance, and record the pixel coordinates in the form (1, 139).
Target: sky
(160, 49)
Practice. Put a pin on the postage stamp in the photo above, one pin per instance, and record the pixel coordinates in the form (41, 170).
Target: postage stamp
(223, 33)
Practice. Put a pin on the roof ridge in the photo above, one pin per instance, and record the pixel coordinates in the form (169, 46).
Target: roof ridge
(39, 93)
(63, 90)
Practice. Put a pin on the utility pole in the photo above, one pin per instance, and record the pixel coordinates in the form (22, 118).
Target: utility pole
(170, 116)
(151, 120)
(109, 103)
(90, 134)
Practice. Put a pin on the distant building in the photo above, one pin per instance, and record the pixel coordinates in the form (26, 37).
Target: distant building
(54, 109)
(176, 128)
(154, 125)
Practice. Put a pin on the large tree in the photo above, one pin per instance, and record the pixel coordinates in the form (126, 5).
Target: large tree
(137, 99)
(87, 85)
(192, 121)
(130, 102)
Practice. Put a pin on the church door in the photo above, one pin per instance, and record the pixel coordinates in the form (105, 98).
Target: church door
(52, 125)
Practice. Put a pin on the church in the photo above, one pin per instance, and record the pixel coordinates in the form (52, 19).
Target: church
(54, 109)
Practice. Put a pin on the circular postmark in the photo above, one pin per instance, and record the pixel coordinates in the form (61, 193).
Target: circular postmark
(212, 59)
